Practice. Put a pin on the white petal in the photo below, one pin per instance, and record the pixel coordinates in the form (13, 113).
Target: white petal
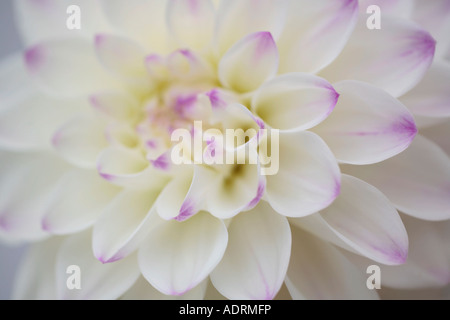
(77, 201)
(115, 105)
(237, 19)
(191, 22)
(308, 179)
(25, 189)
(250, 62)
(196, 247)
(367, 125)
(81, 140)
(51, 16)
(124, 224)
(143, 20)
(396, 8)
(68, 67)
(142, 290)
(417, 181)
(318, 271)
(257, 256)
(124, 58)
(315, 33)
(365, 220)
(294, 101)
(427, 265)
(394, 58)
(98, 281)
(35, 278)
(431, 97)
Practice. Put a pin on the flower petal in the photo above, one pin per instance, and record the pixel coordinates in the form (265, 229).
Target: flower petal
(35, 278)
(142, 20)
(237, 19)
(367, 125)
(68, 67)
(317, 270)
(294, 101)
(98, 281)
(365, 220)
(249, 63)
(116, 234)
(315, 33)
(42, 20)
(431, 97)
(417, 181)
(308, 179)
(122, 57)
(81, 140)
(77, 201)
(394, 58)
(257, 256)
(196, 247)
(191, 22)
(142, 290)
(27, 183)
(115, 105)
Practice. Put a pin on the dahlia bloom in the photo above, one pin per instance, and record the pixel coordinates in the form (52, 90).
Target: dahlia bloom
(349, 132)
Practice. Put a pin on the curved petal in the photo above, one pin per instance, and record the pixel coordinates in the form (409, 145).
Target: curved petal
(364, 219)
(431, 97)
(25, 188)
(367, 125)
(124, 223)
(250, 62)
(417, 181)
(191, 22)
(98, 281)
(35, 278)
(62, 66)
(115, 105)
(142, 290)
(427, 265)
(257, 256)
(123, 58)
(77, 201)
(237, 19)
(394, 58)
(196, 247)
(81, 140)
(315, 33)
(317, 270)
(42, 20)
(294, 101)
(308, 179)
(143, 20)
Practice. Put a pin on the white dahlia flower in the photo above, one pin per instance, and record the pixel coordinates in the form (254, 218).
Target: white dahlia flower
(349, 126)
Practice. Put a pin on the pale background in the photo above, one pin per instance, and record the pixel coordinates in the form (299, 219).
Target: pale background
(9, 43)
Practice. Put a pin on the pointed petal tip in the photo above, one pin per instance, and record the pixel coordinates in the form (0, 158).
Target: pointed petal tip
(34, 58)
(99, 39)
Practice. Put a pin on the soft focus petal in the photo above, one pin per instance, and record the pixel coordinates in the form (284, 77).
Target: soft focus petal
(77, 201)
(431, 97)
(195, 246)
(364, 219)
(116, 234)
(81, 140)
(396, 8)
(318, 271)
(115, 105)
(439, 134)
(67, 67)
(249, 63)
(394, 58)
(98, 281)
(308, 179)
(417, 181)
(142, 290)
(191, 22)
(294, 101)
(367, 125)
(315, 33)
(257, 256)
(237, 19)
